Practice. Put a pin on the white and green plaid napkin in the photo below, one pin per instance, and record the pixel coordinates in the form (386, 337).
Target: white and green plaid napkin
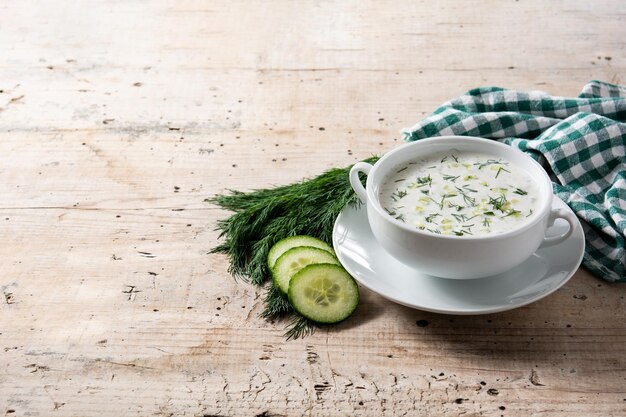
(581, 142)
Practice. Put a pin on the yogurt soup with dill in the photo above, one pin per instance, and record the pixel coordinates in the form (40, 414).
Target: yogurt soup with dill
(460, 194)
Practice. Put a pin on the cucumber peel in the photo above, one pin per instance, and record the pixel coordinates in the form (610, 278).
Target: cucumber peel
(290, 242)
(306, 270)
(294, 259)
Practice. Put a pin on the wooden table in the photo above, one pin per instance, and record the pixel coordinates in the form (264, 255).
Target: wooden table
(118, 118)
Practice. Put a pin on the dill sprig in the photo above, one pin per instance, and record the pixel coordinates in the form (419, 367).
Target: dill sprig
(262, 217)
(276, 304)
(481, 165)
(398, 195)
(430, 218)
(299, 327)
(498, 203)
(502, 169)
(452, 178)
(426, 180)
(470, 201)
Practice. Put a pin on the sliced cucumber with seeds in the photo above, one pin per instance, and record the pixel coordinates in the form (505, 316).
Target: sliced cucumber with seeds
(294, 260)
(284, 245)
(324, 293)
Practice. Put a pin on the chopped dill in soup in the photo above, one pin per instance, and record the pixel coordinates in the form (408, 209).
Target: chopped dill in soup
(460, 193)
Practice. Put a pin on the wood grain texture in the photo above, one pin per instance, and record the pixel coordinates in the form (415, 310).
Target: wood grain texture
(118, 118)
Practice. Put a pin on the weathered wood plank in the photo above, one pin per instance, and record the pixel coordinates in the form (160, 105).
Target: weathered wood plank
(118, 118)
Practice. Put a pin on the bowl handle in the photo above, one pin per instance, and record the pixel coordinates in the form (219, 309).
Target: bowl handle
(355, 181)
(566, 215)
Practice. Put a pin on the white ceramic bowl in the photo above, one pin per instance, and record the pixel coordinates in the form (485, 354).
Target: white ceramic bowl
(449, 256)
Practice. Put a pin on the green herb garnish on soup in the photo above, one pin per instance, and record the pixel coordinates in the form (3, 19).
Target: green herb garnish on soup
(460, 194)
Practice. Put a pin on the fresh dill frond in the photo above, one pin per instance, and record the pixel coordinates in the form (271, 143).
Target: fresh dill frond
(471, 201)
(502, 169)
(452, 178)
(498, 203)
(471, 190)
(457, 207)
(398, 195)
(444, 197)
(459, 217)
(299, 327)
(276, 304)
(426, 180)
(276, 307)
(432, 217)
(262, 217)
(481, 165)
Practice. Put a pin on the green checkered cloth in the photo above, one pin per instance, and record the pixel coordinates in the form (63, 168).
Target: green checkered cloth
(581, 142)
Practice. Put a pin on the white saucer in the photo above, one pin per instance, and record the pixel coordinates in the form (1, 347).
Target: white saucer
(540, 275)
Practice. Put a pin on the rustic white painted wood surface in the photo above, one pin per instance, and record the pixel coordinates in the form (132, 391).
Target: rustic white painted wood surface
(117, 118)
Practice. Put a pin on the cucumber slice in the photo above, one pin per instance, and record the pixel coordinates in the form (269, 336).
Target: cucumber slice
(294, 260)
(324, 293)
(284, 245)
